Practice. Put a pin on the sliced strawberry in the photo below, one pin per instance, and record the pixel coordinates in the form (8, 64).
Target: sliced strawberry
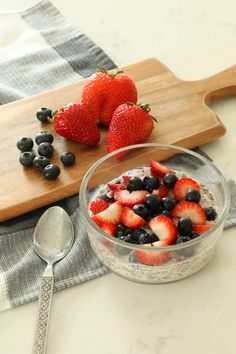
(200, 229)
(158, 170)
(182, 186)
(130, 219)
(189, 209)
(125, 179)
(112, 215)
(110, 194)
(162, 192)
(109, 228)
(152, 258)
(130, 199)
(98, 205)
(164, 228)
(116, 186)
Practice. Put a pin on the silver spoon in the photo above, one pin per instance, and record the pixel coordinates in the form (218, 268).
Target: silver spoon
(53, 239)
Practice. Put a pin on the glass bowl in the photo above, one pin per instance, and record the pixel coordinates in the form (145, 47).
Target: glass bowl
(181, 260)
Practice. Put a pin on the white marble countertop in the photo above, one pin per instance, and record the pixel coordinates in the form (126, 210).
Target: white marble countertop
(110, 315)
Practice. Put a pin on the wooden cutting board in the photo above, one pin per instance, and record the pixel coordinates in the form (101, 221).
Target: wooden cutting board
(183, 115)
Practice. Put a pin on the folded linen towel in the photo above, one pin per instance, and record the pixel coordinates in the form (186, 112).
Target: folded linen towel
(42, 52)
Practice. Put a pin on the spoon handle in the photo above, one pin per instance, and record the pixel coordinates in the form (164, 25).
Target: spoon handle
(45, 297)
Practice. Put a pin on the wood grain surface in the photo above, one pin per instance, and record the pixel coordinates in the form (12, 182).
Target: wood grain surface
(184, 119)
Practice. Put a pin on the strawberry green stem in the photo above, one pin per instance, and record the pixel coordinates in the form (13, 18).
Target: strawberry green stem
(111, 74)
(145, 107)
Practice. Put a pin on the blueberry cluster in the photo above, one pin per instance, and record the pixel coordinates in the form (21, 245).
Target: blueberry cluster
(45, 149)
(138, 236)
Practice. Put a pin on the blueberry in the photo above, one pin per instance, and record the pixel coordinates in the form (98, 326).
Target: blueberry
(153, 238)
(185, 226)
(107, 199)
(67, 158)
(44, 137)
(141, 210)
(40, 162)
(152, 201)
(194, 235)
(167, 204)
(43, 114)
(144, 238)
(45, 149)
(135, 184)
(127, 238)
(26, 158)
(187, 251)
(121, 228)
(136, 234)
(51, 171)
(167, 213)
(182, 239)
(210, 212)
(169, 180)
(25, 144)
(193, 196)
(150, 183)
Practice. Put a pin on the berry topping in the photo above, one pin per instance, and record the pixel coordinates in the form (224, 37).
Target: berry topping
(182, 239)
(152, 258)
(51, 171)
(135, 184)
(130, 199)
(167, 213)
(98, 205)
(40, 162)
(152, 201)
(141, 210)
(185, 226)
(182, 186)
(108, 197)
(158, 170)
(116, 186)
(111, 215)
(167, 203)
(131, 220)
(164, 228)
(109, 228)
(45, 149)
(43, 114)
(210, 212)
(192, 210)
(193, 196)
(150, 183)
(67, 158)
(162, 192)
(169, 180)
(25, 144)
(125, 179)
(44, 137)
(26, 158)
(200, 229)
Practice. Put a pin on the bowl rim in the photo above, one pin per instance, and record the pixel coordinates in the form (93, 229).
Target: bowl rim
(132, 246)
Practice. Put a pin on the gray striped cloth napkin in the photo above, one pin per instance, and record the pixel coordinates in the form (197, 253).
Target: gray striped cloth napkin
(44, 52)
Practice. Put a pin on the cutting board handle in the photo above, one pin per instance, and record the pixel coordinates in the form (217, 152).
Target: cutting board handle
(219, 85)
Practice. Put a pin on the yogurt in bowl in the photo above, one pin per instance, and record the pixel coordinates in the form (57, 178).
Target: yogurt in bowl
(162, 211)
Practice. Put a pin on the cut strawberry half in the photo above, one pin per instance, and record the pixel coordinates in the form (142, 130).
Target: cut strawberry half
(112, 215)
(130, 199)
(98, 205)
(125, 179)
(116, 186)
(200, 229)
(153, 258)
(164, 228)
(109, 228)
(158, 170)
(162, 192)
(190, 209)
(131, 220)
(182, 186)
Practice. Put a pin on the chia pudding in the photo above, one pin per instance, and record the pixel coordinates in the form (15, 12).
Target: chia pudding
(158, 260)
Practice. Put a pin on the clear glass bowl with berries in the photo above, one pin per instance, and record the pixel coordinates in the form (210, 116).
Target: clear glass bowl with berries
(154, 213)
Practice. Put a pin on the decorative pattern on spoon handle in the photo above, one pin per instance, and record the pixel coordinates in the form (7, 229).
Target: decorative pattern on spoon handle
(41, 330)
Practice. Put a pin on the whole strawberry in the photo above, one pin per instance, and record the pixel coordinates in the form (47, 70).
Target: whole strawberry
(130, 124)
(104, 92)
(75, 123)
